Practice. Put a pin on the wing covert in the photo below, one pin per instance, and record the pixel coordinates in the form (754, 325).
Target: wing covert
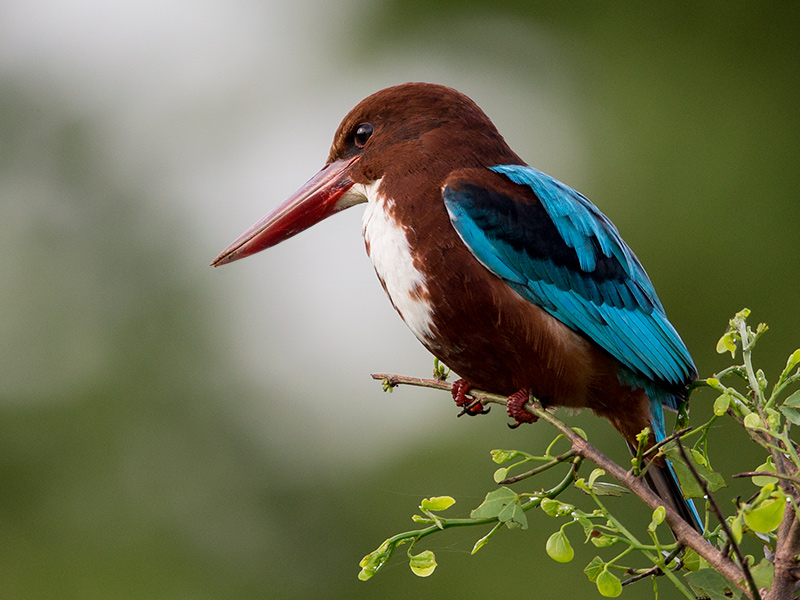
(557, 250)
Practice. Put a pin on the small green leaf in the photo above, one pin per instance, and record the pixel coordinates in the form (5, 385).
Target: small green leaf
(503, 456)
(767, 515)
(753, 421)
(792, 415)
(422, 564)
(689, 485)
(437, 503)
(658, 518)
(721, 404)
(793, 400)
(594, 568)
(608, 584)
(556, 508)
(594, 475)
(737, 527)
(500, 474)
(494, 503)
(603, 541)
(513, 516)
(773, 419)
(763, 574)
(601, 488)
(580, 432)
(581, 485)
(485, 539)
(762, 480)
(727, 343)
(708, 582)
(693, 561)
(713, 382)
(586, 523)
(643, 435)
(374, 561)
(502, 504)
(793, 361)
(558, 547)
(761, 379)
(698, 457)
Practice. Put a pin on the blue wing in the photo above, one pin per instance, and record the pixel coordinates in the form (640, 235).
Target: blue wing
(556, 249)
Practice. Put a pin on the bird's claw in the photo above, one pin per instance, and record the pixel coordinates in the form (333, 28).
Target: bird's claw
(469, 406)
(515, 407)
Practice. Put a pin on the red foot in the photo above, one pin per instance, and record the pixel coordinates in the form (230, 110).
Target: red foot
(469, 406)
(515, 410)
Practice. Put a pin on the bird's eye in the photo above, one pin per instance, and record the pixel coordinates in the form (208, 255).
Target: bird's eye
(362, 135)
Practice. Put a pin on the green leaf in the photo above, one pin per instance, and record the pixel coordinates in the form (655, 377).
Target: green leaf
(689, 485)
(603, 541)
(601, 488)
(485, 539)
(594, 568)
(693, 561)
(558, 547)
(580, 432)
(494, 503)
(721, 404)
(502, 456)
(792, 414)
(594, 475)
(793, 361)
(422, 564)
(698, 457)
(658, 518)
(608, 584)
(762, 480)
(763, 574)
(708, 582)
(767, 515)
(727, 343)
(556, 508)
(737, 527)
(374, 561)
(794, 399)
(753, 421)
(500, 474)
(513, 516)
(437, 503)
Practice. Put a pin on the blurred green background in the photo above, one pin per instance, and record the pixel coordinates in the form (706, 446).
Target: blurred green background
(168, 430)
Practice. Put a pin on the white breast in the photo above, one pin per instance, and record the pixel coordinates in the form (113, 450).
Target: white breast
(387, 246)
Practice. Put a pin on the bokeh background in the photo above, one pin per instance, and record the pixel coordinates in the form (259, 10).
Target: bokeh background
(168, 430)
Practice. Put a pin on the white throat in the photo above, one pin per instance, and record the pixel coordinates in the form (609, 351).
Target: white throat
(390, 253)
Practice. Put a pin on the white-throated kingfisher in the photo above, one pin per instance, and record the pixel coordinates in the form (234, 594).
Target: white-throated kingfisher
(511, 278)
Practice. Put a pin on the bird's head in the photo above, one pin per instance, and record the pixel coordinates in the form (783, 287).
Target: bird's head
(415, 131)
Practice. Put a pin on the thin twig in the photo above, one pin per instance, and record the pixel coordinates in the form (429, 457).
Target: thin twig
(673, 436)
(721, 518)
(656, 570)
(541, 468)
(795, 480)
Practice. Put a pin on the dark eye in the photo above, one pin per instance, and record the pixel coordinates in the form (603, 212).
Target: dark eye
(362, 135)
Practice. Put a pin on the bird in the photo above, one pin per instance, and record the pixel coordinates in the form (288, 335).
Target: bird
(511, 278)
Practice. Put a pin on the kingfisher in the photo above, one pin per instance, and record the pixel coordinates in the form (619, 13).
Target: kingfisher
(511, 278)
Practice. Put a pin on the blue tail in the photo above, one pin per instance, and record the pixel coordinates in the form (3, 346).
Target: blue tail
(663, 480)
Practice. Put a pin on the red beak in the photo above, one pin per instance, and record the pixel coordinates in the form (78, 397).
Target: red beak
(318, 199)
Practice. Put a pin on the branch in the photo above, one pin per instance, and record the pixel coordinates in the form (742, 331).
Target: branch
(795, 480)
(721, 518)
(684, 532)
(786, 560)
